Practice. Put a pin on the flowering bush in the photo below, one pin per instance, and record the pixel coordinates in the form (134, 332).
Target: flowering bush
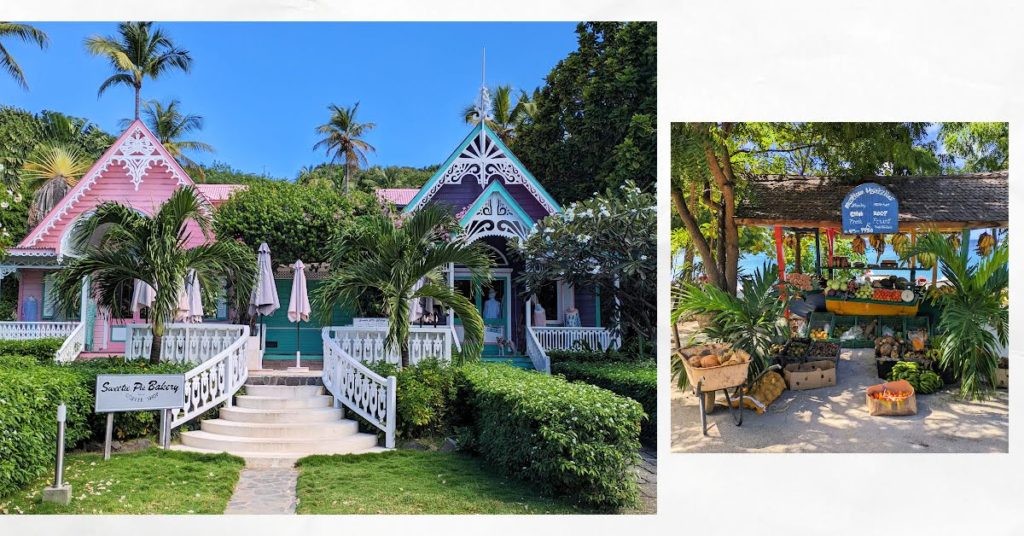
(608, 242)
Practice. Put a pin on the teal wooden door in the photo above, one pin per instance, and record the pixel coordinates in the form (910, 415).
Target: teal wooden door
(282, 336)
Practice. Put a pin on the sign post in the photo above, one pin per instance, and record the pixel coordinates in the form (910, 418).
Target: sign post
(870, 208)
(139, 392)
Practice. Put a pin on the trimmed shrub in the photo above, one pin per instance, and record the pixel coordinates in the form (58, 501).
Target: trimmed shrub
(424, 397)
(29, 397)
(41, 349)
(570, 440)
(9, 361)
(638, 381)
(576, 356)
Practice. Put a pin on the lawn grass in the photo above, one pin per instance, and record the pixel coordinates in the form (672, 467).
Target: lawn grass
(414, 482)
(152, 481)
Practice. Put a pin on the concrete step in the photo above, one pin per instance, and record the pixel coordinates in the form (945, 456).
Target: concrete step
(336, 429)
(267, 459)
(235, 445)
(274, 402)
(518, 362)
(284, 391)
(283, 416)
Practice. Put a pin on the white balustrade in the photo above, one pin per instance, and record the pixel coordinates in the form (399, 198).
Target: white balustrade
(22, 331)
(73, 345)
(541, 361)
(182, 343)
(215, 380)
(368, 345)
(578, 338)
(366, 393)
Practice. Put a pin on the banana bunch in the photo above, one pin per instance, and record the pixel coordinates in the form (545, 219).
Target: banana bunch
(878, 243)
(986, 243)
(954, 241)
(790, 242)
(859, 246)
(926, 260)
(900, 243)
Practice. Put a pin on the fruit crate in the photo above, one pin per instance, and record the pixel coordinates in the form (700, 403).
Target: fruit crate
(824, 350)
(842, 323)
(918, 322)
(823, 321)
(897, 323)
(790, 354)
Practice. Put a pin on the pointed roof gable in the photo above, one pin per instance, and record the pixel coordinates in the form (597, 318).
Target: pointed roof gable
(133, 159)
(483, 157)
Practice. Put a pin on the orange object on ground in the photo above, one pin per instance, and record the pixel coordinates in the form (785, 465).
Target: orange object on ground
(892, 398)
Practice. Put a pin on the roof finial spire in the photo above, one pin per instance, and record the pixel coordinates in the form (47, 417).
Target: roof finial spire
(483, 107)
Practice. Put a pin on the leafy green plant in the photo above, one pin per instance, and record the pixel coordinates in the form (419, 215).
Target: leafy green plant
(923, 381)
(636, 380)
(974, 319)
(117, 246)
(751, 321)
(403, 262)
(424, 397)
(42, 350)
(568, 439)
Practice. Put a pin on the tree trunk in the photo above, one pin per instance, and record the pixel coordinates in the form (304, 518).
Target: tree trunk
(154, 352)
(405, 354)
(699, 242)
(721, 170)
(348, 173)
(138, 91)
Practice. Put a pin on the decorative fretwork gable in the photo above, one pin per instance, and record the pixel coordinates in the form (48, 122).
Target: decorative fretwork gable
(495, 213)
(137, 150)
(484, 159)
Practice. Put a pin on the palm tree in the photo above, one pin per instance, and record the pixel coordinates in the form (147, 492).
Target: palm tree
(342, 139)
(134, 246)
(974, 318)
(49, 172)
(170, 125)
(29, 34)
(504, 118)
(387, 260)
(137, 52)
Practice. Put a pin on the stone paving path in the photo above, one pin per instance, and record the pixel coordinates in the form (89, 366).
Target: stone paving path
(647, 478)
(264, 490)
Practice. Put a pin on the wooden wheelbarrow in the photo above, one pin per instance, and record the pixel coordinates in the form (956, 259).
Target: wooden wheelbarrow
(707, 380)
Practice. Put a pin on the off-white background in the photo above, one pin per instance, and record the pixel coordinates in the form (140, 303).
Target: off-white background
(741, 60)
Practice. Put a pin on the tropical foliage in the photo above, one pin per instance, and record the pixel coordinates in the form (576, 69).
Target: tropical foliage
(397, 263)
(342, 138)
(51, 170)
(138, 51)
(23, 32)
(976, 146)
(608, 242)
(329, 175)
(594, 126)
(750, 322)
(296, 221)
(504, 117)
(974, 321)
(117, 246)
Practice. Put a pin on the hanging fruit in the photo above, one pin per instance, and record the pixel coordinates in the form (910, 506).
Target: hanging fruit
(878, 243)
(986, 243)
(954, 241)
(926, 260)
(859, 246)
(900, 243)
(790, 241)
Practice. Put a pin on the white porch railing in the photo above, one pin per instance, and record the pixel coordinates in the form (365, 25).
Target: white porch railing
(183, 343)
(215, 380)
(21, 331)
(564, 338)
(73, 345)
(368, 394)
(541, 361)
(367, 345)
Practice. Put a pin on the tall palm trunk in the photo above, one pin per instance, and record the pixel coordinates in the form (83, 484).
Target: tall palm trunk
(138, 93)
(154, 352)
(405, 354)
(348, 175)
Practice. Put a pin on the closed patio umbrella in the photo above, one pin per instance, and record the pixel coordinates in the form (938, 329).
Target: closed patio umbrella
(263, 301)
(193, 306)
(142, 295)
(298, 307)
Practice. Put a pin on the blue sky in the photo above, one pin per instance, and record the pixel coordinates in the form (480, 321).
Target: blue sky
(263, 87)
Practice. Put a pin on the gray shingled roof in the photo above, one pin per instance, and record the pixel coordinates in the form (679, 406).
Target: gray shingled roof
(975, 197)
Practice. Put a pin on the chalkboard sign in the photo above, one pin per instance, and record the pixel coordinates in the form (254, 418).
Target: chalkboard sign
(870, 208)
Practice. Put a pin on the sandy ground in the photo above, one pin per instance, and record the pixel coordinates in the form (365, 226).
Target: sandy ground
(835, 419)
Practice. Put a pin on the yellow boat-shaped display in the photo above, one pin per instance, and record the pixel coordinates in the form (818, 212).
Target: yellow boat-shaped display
(871, 307)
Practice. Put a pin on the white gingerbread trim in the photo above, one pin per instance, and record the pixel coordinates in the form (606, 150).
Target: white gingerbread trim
(495, 217)
(137, 149)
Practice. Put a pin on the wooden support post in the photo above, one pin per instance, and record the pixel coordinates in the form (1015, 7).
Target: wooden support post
(109, 436)
(913, 260)
(798, 261)
(817, 251)
(780, 254)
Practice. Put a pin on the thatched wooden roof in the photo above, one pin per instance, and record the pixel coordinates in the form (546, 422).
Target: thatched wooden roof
(972, 200)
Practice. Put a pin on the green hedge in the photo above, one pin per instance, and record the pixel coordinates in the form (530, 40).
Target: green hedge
(41, 349)
(638, 381)
(424, 397)
(610, 356)
(29, 397)
(571, 440)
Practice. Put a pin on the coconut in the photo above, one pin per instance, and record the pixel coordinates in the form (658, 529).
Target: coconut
(710, 361)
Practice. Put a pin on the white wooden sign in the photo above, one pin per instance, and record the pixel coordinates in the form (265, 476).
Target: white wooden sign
(370, 323)
(136, 392)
